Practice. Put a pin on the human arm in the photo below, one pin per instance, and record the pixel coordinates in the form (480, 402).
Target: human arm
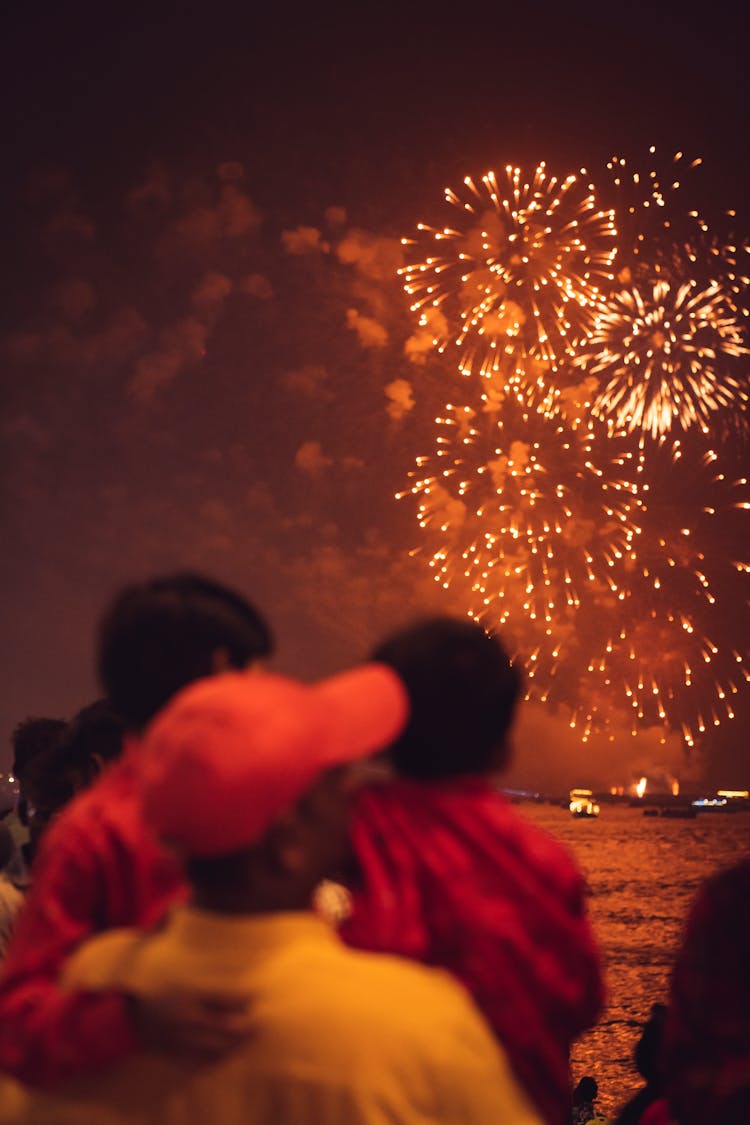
(197, 1027)
(48, 1033)
(57, 1017)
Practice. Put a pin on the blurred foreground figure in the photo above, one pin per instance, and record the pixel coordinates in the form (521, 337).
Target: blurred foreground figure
(11, 896)
(32, 739)
(99, 864)
(91, 741)
(451, 875)
(706, 1054)
(247, 776)
(66, 758)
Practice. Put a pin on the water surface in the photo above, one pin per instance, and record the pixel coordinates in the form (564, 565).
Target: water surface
(642, 873)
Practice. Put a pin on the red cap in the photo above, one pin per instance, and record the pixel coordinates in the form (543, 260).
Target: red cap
(230, 753)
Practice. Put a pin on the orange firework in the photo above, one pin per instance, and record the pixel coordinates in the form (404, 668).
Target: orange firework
(523, 513)
(511, 281)
(660, 230)
(664, 353)
(559, 501)
(675, 598)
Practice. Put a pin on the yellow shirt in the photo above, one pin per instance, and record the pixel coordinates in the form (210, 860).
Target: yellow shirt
(343, 1038)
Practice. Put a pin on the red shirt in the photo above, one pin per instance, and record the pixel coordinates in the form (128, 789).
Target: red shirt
(99, 867)
(454, 877)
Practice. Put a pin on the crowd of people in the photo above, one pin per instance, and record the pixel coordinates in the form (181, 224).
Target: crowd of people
(166, 954)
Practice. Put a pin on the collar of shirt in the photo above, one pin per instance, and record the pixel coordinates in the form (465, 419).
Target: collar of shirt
(252, 934)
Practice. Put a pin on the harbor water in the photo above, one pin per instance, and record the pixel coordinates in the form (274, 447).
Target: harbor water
(642, 874)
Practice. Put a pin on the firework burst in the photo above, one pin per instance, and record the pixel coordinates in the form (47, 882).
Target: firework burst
(511, 281)
(560, 502)
(664, 353)
(522, 519)
(657, 655)
(659, 228)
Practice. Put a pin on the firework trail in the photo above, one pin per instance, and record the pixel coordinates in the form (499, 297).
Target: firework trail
(510, 282)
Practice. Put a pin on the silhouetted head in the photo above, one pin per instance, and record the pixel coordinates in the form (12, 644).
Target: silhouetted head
(32, 737)
(586, 1090)
(91, 740)
(463, 692)
(159, 635)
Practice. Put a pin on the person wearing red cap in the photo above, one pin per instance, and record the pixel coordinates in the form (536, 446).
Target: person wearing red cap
(100, 864)
(246, 777)
(450, 874)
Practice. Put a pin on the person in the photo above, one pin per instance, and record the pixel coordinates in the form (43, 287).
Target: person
(247, 776)
(11, 896)
(92, 739)
(584, 1096)
(66, 758)
(32, 738)
(100, 865)
(447, 872)
(706, 1055)
(648, 1064)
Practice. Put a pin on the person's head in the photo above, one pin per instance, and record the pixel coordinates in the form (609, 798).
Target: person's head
(31, 739)
(246, 776)
(586, 1090)
(91, 740)
(463, 692)
(159, 635)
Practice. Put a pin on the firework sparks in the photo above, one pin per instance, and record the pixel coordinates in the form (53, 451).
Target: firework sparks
(673, 594)
(660, 229)
(559, 501)
(522, 520)
(663, 353)
(511, 281)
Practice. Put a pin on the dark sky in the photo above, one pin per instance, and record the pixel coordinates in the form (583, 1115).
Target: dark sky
(200, 323)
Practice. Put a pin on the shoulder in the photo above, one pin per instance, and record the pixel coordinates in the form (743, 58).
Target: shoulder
(406, 1030)
(397, 995)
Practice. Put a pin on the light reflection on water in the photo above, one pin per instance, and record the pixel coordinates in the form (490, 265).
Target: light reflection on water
(642, 873)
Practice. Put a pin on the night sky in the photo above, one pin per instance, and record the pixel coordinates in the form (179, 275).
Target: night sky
(202, 334)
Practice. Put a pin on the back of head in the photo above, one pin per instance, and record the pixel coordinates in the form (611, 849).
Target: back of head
(160, 635)
(93, 738)
(463, 691)
(32, 737)
(586, 1090)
